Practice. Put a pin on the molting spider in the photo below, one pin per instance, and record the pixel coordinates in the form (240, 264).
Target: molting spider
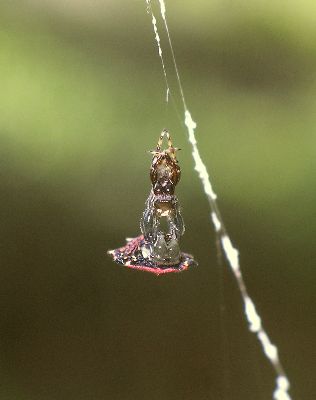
(157, 250)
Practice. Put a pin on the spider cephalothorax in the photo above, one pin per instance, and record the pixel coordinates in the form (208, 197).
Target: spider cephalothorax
(157, 250)
(164, 172)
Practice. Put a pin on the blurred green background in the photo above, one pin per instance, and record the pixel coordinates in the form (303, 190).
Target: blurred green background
(82, 98)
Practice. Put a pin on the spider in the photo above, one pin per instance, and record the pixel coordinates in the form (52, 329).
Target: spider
(157, 249)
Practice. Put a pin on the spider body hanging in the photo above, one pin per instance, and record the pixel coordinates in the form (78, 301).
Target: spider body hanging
(157, 249)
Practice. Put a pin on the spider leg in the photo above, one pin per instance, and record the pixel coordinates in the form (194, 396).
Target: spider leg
(161, 137)
(176, 221)
(149, 222)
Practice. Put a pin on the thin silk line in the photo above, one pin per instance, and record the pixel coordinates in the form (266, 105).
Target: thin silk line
(169, 93)
(230, 252)
(157, 38)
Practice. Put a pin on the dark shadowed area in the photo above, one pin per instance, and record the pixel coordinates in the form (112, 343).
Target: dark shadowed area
(82, 99)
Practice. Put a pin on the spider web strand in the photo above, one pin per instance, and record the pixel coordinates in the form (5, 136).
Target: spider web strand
(231, 254)
(157, 38)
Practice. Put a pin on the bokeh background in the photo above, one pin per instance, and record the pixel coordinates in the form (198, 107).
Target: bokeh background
(82, 98)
